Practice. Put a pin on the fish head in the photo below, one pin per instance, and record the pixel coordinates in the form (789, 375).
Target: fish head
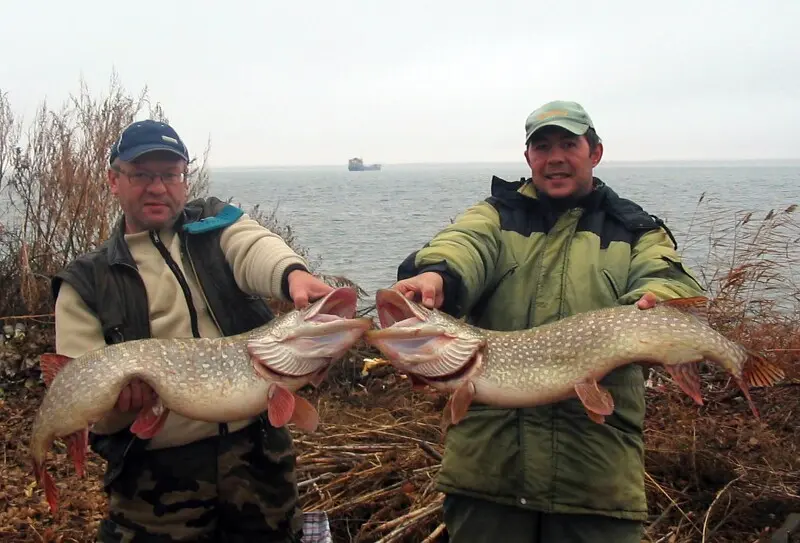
(429, 344)
(298, 347)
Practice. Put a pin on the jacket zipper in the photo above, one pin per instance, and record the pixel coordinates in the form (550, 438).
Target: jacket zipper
(187, 294)
(185, 246)
(222, 427)
(120, 335)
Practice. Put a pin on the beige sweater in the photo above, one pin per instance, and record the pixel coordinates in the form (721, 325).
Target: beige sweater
(258, 258)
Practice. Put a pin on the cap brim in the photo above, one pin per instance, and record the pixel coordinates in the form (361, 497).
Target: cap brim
(135, 152)
(576, 128)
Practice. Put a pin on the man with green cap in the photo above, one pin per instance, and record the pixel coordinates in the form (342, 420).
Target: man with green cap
(535, 251)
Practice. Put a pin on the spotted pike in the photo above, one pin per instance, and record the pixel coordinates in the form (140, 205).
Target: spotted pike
(559, 360)
(208, 379)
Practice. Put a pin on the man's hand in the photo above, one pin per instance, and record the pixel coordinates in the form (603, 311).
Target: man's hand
(304, 288)
(427, 287)
(136, 395)
(648, 301)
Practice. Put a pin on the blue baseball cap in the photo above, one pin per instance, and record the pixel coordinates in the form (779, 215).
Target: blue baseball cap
(142, 137)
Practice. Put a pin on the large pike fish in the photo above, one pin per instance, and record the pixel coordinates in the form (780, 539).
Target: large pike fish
(560, 360)
(208, 379)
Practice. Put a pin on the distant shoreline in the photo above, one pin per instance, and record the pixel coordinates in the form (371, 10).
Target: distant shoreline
(771, 162)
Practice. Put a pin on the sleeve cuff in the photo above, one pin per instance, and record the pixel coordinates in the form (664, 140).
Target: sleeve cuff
(285, 278)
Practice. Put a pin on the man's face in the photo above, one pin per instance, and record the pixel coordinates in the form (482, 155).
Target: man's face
(561, 162)
(150, 204)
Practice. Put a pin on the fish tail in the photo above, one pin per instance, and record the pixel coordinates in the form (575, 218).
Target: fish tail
(45, 480)
(757, 372)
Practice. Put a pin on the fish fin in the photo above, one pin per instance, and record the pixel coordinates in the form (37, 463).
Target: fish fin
(51, 364)
(695, 305)
(446, 414)
(595, 398)
(280, 406)
(305, 415)
(687, 377)
(45, 480)
(745, 390)
(150, 420)
(599, 419)
(77, 443)
(319, 378)
(460, 401)
(758, 372)
(417, 383)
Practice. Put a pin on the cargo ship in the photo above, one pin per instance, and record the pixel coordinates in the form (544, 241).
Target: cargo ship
(357, 165)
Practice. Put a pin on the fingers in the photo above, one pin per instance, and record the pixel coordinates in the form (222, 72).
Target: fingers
(300, 299)
(647, 301)
(135, 395)
(124, 400)
(425, 288)
(429, 294)
(305, 288)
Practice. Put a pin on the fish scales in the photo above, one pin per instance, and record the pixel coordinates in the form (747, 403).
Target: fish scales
(208, 379)
(593, 344)
(559, 360)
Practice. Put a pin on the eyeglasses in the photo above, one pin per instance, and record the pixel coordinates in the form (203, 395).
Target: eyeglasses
(141, 178)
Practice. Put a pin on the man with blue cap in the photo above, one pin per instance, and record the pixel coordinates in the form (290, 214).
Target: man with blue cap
(171, 269)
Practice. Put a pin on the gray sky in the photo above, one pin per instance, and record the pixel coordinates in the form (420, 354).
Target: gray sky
(414, 81)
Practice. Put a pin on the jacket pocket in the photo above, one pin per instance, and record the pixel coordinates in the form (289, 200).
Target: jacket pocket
(611, 283)
(678, 264)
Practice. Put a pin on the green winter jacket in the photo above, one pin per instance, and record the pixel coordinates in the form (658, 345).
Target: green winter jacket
(516, 261)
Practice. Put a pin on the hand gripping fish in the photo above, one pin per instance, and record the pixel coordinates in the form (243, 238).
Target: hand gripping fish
(208, 379)
(559, 360)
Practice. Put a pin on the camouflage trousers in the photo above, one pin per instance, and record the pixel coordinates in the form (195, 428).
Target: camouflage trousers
(239, 486)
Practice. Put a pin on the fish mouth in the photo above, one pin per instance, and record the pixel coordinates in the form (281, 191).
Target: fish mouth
(414, 345)
(328, 329)
(395, 309)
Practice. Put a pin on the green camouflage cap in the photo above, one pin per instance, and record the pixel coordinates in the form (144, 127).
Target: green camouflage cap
(568, 115)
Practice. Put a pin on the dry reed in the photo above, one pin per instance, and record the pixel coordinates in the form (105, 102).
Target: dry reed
(713, 472)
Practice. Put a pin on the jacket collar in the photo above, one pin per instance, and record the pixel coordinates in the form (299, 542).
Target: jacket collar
(118, 250)
(524, 193)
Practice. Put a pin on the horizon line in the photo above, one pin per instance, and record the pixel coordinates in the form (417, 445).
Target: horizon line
(719, 161)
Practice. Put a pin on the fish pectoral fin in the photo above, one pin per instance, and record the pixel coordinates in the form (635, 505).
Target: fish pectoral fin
(599, 419)
(77, 443)
(687, 377)
(597, 400)
(460, 401)
(51, 364)
(305, 415)
(280, 406)
(150, 420)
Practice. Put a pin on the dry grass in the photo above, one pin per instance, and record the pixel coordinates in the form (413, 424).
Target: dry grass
(54, 199)
(714, 473)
